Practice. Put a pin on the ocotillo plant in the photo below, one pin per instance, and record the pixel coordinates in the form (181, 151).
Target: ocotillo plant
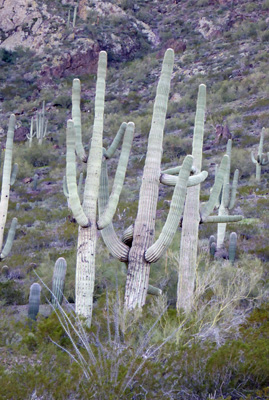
(34, 301)
(261, 159)
(193, 215)
(8, 178)
(137, 248)
(58, 282)
(227, 199)
(86, 214)
(232, 247)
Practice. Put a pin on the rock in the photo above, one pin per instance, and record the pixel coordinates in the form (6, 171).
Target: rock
(208, 29)
(20, 134)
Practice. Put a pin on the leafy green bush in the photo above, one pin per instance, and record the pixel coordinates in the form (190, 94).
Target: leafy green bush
(11, 293)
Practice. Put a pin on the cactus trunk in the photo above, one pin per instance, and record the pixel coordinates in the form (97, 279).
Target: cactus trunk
(144, 227)
(191, 216)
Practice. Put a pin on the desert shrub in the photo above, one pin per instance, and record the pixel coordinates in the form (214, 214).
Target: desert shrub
(241, 159)
(11, 293)
(265, 36)
(7, 56)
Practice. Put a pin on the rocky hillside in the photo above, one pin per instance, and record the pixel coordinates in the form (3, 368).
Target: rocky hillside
(220, 350)
(45, 44)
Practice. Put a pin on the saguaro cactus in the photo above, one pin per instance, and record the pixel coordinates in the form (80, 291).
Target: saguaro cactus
(232, 247)
(261, 159)
(8, 179)
(31, 134)
(136, 247)
(193, 215)
(86, 214)
(228, 197)
(41, 124)
(58, 282)
(34, 301)
(212, 246)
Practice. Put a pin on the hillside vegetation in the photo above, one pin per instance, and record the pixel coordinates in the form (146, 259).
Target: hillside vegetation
(220, 350)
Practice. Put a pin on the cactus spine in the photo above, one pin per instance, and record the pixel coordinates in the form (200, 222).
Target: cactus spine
(8, 178)
(86, 214)
(58, 282)
(34, 301)
(227, 197)
(261, 159)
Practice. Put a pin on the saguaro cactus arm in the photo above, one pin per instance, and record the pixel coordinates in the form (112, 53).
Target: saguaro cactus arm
(216, 189)
(10, 238)
(260, 161)
(110, 209)
(155, 251)
(171, 180)
(116, 141)
(115, 246)
(74, 200)
(76, 117)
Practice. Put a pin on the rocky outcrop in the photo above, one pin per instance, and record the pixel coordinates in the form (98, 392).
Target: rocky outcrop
(26, 23)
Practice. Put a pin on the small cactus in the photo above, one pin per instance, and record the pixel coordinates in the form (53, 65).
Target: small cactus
(35, 180)
(58, 282)
(34, 301)
(232, 247)
(212, 246)
(5, 271)
(261, 159)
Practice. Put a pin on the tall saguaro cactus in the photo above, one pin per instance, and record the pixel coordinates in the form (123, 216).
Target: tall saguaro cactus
(136, 247)
(8, 178)
(86, 214)
(193, 215)
(261, 159)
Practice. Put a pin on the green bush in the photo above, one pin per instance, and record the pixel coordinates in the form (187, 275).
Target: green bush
(11, 293)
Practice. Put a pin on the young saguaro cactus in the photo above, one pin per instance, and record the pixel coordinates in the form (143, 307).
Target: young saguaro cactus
(34, 301)
(8, 178)
(31, 134)
(86, 214)
(58, 282)
(232, 247)
(194, 215)
(261, 159)
(41, 124)
(227, 199)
